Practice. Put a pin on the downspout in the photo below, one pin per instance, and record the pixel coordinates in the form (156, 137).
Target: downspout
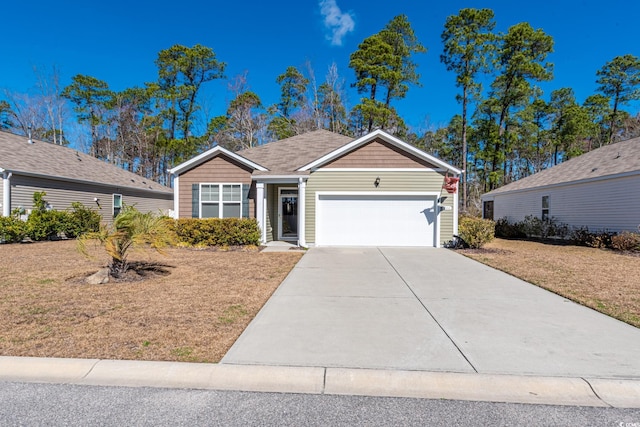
(6, 192)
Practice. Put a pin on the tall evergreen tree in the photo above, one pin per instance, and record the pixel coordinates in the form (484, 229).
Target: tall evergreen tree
(619, 80)
(384, 69)
(468, 46)
(522, 59)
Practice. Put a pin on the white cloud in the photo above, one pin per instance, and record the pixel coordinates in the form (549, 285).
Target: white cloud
(337, 22)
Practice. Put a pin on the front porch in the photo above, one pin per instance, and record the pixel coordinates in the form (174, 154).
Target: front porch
(280, 209)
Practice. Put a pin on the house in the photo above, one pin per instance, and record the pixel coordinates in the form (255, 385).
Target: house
(322, 188)
(599, 190)
(67, 175)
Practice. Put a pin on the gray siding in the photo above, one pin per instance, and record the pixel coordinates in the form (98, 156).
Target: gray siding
(400, 181)
(612, 204)
(60, 194)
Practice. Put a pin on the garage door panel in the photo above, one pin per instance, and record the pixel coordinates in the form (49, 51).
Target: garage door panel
(374, 220)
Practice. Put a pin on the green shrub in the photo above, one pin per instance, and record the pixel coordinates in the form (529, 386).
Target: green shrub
(544, 228)
(507, 230)
(476, 231)
(12, 229)
(79, 220)
(626, 241)
(218, 232)
(43, 225)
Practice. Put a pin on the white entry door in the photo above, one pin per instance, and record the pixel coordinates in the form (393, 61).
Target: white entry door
(376, 220)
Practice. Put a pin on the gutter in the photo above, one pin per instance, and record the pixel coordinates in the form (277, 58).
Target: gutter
(169, 191)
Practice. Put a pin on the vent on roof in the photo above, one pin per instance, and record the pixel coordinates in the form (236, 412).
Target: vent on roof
(29, 141)
(594, 169)
(618, 156)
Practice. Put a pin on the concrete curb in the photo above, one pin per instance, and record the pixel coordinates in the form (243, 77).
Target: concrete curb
(619, 393)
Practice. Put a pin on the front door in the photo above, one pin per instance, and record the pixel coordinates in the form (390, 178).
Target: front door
(288, 214)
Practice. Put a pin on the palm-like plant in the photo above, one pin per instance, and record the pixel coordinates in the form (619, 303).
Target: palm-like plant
(131, 229)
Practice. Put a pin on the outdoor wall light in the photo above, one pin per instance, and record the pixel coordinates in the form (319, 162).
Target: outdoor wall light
(376, 182)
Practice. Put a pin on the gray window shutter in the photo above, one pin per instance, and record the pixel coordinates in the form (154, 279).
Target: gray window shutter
(245, 200)
(195, 200)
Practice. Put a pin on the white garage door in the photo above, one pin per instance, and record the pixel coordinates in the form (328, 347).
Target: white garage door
(375, 220)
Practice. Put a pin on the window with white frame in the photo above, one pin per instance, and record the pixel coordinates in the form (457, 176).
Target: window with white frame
(545, 208)
(117, 204)
(220, 200)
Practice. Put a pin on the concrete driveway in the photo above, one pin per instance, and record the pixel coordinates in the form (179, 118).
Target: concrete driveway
(433, 310)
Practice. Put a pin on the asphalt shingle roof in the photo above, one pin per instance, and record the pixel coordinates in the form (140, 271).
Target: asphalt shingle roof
(55, 161)
(287, 155)
(622, 157)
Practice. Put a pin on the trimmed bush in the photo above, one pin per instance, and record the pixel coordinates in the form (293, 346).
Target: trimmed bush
(507, 230)
(476, 232)
(626, 241)
(12, 229)
(79, 220)
(218, 232)
(544, 228)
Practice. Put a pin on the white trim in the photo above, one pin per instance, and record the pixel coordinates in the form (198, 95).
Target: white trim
(434, 194)
(386, 137)
(378, 170)
(378, 193)
(109, 186)
(6, 192)
(456, 202)
(176, 197)
(219, 202)
(260, 210)
(279, 223)
(302, 193)
(113, 204)
(279, 179)
(210, 154)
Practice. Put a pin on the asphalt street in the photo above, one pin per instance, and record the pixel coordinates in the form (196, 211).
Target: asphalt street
(32, 404)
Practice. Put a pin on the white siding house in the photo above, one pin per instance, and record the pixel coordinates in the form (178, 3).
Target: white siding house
(599, 190)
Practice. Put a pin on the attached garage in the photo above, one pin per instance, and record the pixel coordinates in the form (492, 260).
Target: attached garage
(392, 219)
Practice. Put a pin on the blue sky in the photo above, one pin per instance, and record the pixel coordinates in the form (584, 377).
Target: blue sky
(117, 41)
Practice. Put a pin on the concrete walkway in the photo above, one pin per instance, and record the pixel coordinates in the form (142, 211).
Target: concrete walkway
(425, 323)
(430, 310)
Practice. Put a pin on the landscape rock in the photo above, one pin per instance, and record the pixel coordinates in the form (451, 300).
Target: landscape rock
(99, 278)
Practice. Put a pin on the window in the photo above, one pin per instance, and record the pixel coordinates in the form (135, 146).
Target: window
(545, 208)
(488, 210)
(117, 204)
(220, 200)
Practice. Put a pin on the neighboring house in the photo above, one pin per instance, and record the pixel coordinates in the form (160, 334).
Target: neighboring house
(67, 176)
(599, 190)
(322, 188)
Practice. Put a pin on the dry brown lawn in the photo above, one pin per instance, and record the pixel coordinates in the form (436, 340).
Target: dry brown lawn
(604, 280)
(192, 313)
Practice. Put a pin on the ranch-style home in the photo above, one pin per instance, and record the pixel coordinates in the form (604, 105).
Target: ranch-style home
(599, 190)
(66, 175)
(326, 189)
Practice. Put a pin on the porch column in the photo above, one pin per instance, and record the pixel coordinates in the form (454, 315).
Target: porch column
(176, 197)
(302, 187)
(260, 210)
(6, 193)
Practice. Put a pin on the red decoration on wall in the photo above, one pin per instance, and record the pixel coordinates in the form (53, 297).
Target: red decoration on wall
(451, 184)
